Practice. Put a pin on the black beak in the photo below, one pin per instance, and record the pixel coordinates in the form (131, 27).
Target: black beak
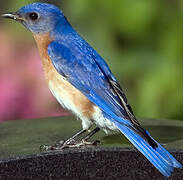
(14, 16)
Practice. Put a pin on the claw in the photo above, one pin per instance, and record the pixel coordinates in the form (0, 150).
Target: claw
(44, 148)
(71, 144)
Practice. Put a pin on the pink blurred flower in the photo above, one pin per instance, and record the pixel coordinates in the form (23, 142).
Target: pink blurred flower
(23, 90)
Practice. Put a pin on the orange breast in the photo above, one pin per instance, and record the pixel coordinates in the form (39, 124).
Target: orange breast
(66, 94)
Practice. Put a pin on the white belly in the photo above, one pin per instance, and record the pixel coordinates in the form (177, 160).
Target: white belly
(63, 97)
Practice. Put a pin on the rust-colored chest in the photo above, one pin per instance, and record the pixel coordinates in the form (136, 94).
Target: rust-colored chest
(67, 95)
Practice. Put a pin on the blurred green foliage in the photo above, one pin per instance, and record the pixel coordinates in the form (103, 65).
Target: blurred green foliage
(142, 42)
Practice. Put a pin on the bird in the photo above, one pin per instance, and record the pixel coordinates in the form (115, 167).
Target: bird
(82, 82)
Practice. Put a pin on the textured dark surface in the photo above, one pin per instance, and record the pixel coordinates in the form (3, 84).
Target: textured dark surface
(90, 163)
(20, 141)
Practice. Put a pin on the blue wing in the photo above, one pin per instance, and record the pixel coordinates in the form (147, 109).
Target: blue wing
(89, 73)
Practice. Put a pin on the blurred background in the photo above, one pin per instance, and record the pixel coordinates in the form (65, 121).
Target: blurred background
(142, 41)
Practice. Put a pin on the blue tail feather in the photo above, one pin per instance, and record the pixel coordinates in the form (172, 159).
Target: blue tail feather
(158, 156)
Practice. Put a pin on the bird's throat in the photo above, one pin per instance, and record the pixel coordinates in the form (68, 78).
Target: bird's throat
(43, 41)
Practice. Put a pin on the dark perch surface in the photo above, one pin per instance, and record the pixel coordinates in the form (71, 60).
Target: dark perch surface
(20, 157)
(91, 163)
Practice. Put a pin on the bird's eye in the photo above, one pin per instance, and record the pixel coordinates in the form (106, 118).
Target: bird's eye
(33, 16)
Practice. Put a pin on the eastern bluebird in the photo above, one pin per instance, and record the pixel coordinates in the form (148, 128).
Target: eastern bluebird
(82, 82)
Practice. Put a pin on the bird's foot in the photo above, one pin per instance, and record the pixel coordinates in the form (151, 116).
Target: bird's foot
(71, 144)
(82, 143)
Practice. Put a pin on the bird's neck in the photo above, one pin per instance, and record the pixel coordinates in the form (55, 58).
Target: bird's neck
(63, 31)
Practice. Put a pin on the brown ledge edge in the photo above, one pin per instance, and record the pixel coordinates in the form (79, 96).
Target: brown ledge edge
(85, 163)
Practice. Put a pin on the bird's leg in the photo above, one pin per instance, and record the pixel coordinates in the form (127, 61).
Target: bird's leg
(86, 138)
(84, 141)
(72, 143)
(72, 138)
(59, 145)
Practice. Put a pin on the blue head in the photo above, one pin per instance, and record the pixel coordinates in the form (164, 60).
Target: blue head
(39, 18)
